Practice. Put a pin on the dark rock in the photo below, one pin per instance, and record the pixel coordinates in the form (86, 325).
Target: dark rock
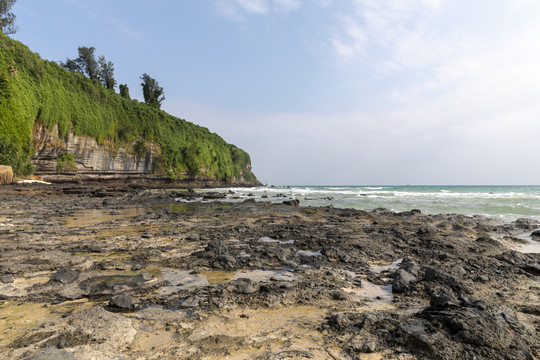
(194, 237)
(402, 280)
(486, 240)
(249, 201)
(536, 234)
(339, 295)
(136, 267)
(7, 279)
(217, 247)
(191, 302)
(65, 276)
(226, 260)
(410, 266)
(294, 202)
(443, 299)
(125, 302)
(245, 286)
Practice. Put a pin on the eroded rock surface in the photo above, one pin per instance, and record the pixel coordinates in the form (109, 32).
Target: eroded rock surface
(122, 272)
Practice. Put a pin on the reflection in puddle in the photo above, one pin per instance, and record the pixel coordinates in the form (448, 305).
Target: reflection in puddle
(308, 253)
(186, 280)
(379, 296)
(266, 275)
(377, 269)
(270, 240)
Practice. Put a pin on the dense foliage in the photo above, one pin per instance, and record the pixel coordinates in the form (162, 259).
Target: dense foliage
(152, 92)
(33, 90)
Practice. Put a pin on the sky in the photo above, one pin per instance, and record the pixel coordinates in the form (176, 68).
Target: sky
(329, 92)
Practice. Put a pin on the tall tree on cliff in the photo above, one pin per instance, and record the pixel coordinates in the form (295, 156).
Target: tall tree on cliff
(7, 19)
(106, 73)
(86, 62)
(152, 92)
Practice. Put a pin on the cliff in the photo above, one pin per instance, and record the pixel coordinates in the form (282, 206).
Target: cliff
(49, 115)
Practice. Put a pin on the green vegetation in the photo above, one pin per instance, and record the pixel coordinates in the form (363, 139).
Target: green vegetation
(33, 91)
(152, 92)
(66, 164)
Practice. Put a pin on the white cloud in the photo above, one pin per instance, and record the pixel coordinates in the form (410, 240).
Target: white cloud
(352, 42)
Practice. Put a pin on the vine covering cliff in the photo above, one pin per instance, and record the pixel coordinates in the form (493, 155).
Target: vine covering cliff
(47, 112)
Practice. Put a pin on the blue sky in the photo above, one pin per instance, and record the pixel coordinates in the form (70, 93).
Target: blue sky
(329, 91)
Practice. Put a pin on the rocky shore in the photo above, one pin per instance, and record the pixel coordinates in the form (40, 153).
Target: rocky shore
(120, 271)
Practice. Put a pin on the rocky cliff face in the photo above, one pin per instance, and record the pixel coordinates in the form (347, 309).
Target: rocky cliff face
(90, 158)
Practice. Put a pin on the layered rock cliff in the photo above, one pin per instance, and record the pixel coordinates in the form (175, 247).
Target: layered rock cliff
(90, 158)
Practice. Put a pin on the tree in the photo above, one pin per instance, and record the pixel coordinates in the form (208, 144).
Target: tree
(124, 91)
(152, 92)
(106, 72)
(86, 62)
(7, 19)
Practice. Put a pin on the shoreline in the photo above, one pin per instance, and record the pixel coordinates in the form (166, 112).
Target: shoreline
(256, 280)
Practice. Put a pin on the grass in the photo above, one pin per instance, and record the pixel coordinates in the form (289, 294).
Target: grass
(34, 91)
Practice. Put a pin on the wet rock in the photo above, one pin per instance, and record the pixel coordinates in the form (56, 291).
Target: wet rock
(217, 247)
(191, 302)
(125, 302)
(65, 276)
(244, 286)
(410, 266)
(536, 235)
(443, 299)
(486, 240)
(226, 260)
(6, 175)
(402, 280)
(339, 295)
(194, 237)
(294, 202)
(7, 279)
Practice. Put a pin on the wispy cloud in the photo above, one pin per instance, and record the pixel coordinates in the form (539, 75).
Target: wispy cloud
(238, 10)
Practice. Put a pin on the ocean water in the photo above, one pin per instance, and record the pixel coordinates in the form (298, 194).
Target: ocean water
(504, 202)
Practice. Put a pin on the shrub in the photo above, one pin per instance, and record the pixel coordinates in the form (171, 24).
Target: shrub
(66, 164)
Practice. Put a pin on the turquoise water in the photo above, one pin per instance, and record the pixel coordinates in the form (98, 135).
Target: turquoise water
(505, 202)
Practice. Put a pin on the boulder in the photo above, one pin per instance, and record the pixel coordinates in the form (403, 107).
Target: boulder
(65, 276)
(294, 202)
(402, 280)
(6, 175)
(124, 302)
(245, 286)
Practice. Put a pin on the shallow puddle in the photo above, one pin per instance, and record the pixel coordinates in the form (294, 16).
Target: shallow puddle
(92, 217)
(379, 296)
(16, 318)
(382, 267)
(266, 239)
(532, 247)
(266, 275)
(267, 330)
(308, 253)
(218, 277)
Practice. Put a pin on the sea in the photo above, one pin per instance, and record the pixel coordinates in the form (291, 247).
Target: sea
(507, 203)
